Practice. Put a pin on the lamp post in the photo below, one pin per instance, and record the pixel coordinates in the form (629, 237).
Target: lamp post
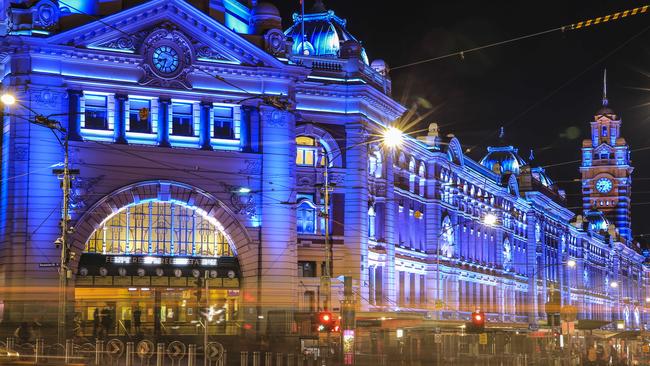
(65, 175)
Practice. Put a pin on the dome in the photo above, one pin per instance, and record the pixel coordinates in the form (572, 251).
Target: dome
(596, 220)
(540, 174)
(325, 32)
(506, 156)
(264, 8)
(380, 66)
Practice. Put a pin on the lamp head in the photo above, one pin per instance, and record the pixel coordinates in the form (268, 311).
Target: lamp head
(8, 99)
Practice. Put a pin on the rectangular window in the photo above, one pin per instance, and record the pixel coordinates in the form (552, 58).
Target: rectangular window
(96, 112)
(223, 123)
(306, 218)
(306, 269)
(182, 119)
(140, 115)
(305, 156)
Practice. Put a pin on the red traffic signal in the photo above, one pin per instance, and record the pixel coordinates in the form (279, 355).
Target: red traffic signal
(478, 318)
(325, 321)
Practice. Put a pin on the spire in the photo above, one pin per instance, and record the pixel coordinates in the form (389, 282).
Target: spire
(502, 134)
(531, 157)
(605, 101)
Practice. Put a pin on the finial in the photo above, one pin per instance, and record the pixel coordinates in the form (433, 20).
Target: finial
(531, 157)
(605, 101)
(502, 133)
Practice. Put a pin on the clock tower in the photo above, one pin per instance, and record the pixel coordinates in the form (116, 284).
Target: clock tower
(606, 170)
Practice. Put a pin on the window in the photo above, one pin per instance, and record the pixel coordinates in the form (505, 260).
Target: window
(157, 227)
(604, 130)
(139, 115)
(223, 123)
(96, 112)
(182, 119)
(372, 220)
(306, 216)
(306, 269)
(308, 152)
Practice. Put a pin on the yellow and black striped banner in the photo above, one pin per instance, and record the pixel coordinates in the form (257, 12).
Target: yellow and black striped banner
(607, 18)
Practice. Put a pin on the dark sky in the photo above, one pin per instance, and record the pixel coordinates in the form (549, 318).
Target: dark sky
(545, 89)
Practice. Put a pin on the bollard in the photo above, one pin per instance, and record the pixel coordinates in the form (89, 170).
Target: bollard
(129, 353)
(38, 350)
(11, 346)
(223, 361)
(243, 358)
(278, 359)
(290, 359)
(68, 351)
(191, 355)
(256, 359)
(99, 351)
(160, 354)
(268, 359)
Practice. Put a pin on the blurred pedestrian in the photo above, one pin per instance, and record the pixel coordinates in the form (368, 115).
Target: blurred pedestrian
(137, 314)
(95, 322)
(24, 333)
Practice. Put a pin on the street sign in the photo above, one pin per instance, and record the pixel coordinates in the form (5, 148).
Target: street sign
(114, 348)
(214, 351)
(145, 349)
(482, 339)
(533, 327)
(176, 350)
(49, 265)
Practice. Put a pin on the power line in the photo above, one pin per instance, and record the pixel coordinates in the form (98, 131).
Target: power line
(564, 28)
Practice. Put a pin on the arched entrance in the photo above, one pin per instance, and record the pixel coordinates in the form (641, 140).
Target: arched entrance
(155, 256)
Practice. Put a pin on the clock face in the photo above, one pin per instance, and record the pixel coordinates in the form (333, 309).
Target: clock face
(604, 185)
(165, 59)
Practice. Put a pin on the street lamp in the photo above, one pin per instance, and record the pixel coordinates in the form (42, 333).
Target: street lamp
(393, 137)
(571, 263)
(613, 284)
(65, 174)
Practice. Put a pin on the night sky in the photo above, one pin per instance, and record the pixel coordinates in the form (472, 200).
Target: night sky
(544, 90)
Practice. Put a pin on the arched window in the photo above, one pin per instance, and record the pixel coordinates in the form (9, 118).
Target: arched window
(309, 152)
(375, 164)
(507, 254)
(160, 227)
(306, 217)
(446, 241)
(372, 221)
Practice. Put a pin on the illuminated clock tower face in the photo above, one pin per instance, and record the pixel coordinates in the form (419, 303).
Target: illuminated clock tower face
(604, 185)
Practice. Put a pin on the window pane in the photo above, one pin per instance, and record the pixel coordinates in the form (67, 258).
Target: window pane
(305, 141)
(223, 123)
(182, 121)
(96, 112)
(300, 156)
(309, 157)
(140, 115)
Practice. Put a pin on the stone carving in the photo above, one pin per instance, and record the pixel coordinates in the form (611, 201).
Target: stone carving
(275, 42)
(21, 152)
(241, 203)
(121, 43)
(177, 43)
(82, 190)
(206, 52)
(45, 16)
(46, 98)
(252, 167)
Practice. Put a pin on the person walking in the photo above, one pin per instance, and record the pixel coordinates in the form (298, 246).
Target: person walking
(95, 322)
(24, 333)
(137, 314)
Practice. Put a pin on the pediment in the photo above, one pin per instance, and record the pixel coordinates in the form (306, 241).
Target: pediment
(602, 148)
(128, 31)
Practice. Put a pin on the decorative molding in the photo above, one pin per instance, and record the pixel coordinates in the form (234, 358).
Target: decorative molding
(252, 167)
(82, 191)
(180, 44)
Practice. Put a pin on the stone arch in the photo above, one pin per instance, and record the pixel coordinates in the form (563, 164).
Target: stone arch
(329, 143)
(455, 152)
(235, 232)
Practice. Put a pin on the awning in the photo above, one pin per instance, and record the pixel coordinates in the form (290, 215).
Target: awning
(627, 334)
(588, 324)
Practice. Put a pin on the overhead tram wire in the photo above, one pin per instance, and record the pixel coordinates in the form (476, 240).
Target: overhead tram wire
(565, 28)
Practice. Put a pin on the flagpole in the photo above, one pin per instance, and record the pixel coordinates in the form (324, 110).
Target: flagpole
(302, 5)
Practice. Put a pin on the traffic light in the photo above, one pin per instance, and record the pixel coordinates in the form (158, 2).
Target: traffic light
(325, 321)
(477, 323)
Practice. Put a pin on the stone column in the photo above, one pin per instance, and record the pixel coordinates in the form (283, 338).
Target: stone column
(120, 118)
(531, 269)
(245, 128)
(356, 209)
(74, 115)
(163, 122)
(390, 227)
(278, 257)
(206, 119)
